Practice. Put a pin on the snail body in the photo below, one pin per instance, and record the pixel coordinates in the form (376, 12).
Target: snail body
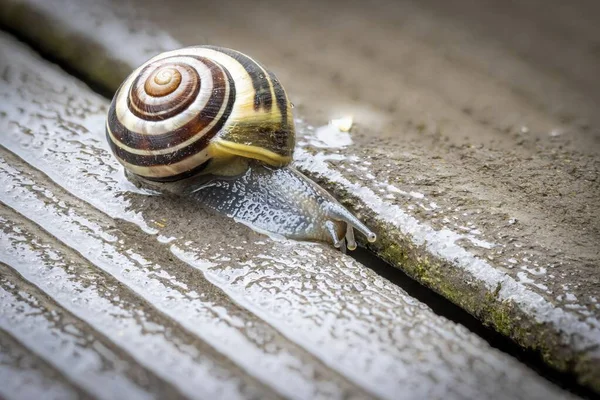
(213, 124)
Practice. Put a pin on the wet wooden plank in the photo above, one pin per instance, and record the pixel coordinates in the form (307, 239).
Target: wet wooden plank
(78, 288)
(71, 346)
(248, 315)
(25, 376)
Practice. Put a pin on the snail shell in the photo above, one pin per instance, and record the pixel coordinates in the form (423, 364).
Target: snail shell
(190, 117)
(185, 107)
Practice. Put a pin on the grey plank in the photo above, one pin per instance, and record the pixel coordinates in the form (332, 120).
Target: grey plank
(24, 376)
(138, 339)
(46, 329)
(340, 313)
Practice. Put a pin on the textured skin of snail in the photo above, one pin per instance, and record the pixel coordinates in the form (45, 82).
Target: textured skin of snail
(213, 124)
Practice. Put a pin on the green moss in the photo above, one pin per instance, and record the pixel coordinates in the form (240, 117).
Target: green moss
(456, 285)
(503, 316)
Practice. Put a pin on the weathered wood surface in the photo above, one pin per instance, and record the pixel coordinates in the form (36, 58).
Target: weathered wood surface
(26, 376)
(123, 294)
(476, 152)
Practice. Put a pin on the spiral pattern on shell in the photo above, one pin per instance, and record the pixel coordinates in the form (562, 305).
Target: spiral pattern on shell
(168, 113)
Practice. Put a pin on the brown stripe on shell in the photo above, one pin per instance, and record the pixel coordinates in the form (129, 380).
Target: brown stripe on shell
(187, 151)
(280, 99)
(260, 81)
(169, 139)
(177, 177)
(157, 112)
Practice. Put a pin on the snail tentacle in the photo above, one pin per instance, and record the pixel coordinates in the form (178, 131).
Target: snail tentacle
(350, 242)
(337, 242)
(338, 212)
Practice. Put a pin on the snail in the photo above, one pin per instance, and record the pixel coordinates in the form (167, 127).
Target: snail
(213, 124)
